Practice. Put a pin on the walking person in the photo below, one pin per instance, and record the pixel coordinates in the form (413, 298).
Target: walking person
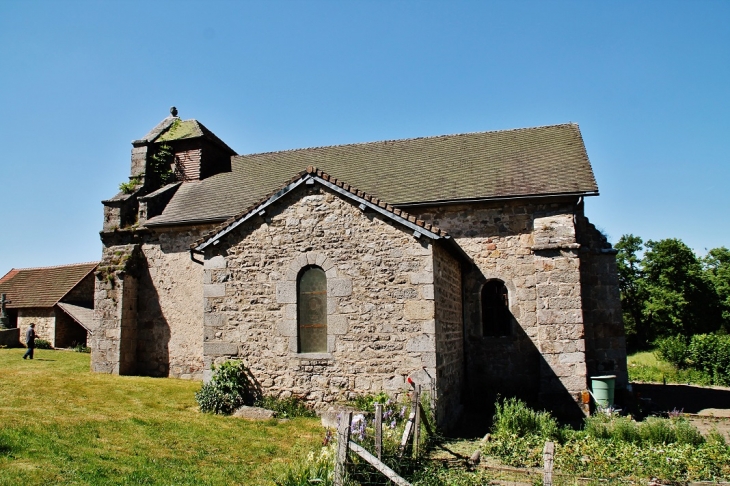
(30, 341)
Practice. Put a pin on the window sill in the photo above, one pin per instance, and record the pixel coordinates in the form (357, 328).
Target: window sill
(313, 355)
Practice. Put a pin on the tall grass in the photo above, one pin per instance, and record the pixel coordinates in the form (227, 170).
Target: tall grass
(513, 417)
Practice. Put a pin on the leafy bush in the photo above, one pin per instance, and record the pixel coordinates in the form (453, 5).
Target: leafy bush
(291, 407)
(229, 389)
(708, 354)
(42, 344)
(711, 353)
(673, 350)
(513, 417)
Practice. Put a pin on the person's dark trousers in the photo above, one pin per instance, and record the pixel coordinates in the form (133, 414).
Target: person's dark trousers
(29, 353)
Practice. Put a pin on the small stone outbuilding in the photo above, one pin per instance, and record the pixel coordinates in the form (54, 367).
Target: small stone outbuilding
(58, 300)
(463, 262)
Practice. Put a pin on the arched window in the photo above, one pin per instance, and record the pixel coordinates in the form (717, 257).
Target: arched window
(496, 317)
(312, 310)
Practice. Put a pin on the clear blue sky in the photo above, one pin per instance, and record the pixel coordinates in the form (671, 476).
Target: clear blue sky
(648, 82)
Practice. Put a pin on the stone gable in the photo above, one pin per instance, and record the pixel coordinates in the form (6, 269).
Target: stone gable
(382, 317)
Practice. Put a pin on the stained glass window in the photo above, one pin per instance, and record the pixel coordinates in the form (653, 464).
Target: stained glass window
(312, 310)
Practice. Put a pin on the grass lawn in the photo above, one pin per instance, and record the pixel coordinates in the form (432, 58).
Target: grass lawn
(61, 424)
(646, 367)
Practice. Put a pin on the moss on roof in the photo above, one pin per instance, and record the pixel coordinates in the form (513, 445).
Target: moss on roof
(181, 129)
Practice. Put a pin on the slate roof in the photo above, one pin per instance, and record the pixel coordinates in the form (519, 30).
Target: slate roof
(42, 287)
(393, 212)
(541, 161)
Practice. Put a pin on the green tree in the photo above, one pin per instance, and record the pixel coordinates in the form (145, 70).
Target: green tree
(680, 298)
(633, 295)
(717, 269)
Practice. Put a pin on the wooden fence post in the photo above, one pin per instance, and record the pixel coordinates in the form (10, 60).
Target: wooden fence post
(343, 439)
(417, 423)
(547, 456)
(379, 430)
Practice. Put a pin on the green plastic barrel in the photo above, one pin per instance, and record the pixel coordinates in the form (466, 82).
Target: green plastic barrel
(603, 390)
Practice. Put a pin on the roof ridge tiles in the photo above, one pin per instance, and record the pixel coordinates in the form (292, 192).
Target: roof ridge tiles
(57, 266)
(430, 137)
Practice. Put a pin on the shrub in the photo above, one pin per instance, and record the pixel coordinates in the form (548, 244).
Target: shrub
(674, 350)
(42, 344)
(711, 353)
(229, 389)
(514, 417)
(291, 407)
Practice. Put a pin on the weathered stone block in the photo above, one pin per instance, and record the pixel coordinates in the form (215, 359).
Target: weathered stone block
(418, 310)
(339, 287)
(287, 327)
(337, 324)
(214, 319)
(220, 349)
(254, 413)
(421, 278)
(214, 290)
(576, 357)
(422, 343)
(428, 327)
(427, 292)
(393, 383)
(286, 292)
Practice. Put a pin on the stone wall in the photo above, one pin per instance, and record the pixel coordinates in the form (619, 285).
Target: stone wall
(170, 299)
(380, 291)
(113, 341)
(449, 334)
(605, 338)
(531, 247)
(44, 320)
(149, 301)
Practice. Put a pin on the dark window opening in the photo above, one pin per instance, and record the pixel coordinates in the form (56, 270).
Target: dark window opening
(312, 311)
(496, 317)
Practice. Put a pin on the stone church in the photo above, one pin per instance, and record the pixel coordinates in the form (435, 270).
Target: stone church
(463, 262)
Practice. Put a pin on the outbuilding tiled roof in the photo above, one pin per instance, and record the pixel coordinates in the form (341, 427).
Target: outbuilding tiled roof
(347, 188)
(542, 161)
(83, 315)
(42, 287)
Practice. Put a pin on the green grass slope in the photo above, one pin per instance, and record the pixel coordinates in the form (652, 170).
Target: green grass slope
(61, 424)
